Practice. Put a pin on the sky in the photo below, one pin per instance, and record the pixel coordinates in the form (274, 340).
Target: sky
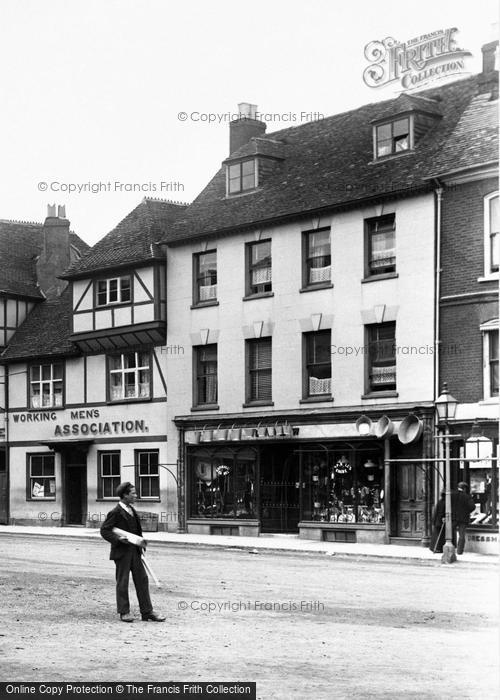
(105, 95)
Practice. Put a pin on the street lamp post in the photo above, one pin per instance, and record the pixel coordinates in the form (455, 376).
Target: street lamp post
(446, 406)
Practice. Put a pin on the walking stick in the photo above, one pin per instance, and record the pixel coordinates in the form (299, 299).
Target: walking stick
(438, 538)
(150, 571)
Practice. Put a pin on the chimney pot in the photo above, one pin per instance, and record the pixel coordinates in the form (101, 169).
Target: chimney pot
(51, 210)
(244, 128)
(245, 109)
(61, 211)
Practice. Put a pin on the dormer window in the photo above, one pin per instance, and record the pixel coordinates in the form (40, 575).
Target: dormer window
(393, 137)
(241, 176)
(116, 290)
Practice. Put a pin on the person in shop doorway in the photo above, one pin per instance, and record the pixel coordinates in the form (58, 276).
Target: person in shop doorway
(127, 556)
(438, 525)
(462, 506)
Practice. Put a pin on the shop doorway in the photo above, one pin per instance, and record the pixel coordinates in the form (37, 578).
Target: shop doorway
(410, 500)
(279, 491)
(4, 497)
(75, 487)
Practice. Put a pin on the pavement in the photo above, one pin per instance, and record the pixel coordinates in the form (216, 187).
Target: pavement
(279, 544)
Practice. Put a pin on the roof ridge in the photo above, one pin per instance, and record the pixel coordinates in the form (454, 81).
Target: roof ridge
(166, 201)
(20, 221)
(368, 105)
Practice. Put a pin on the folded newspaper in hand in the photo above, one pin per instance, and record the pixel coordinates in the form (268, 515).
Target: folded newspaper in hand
(133, 539)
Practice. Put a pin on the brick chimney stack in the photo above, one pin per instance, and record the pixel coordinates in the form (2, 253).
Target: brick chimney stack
(55, 255)
(489, 76)
(244, 128)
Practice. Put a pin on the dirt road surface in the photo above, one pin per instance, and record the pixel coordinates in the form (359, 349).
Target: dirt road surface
(302, 626)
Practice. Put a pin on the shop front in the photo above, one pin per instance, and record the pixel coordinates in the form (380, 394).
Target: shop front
(317, 481)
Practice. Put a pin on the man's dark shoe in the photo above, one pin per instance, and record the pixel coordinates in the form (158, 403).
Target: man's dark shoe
(126, 617)
(153, 617)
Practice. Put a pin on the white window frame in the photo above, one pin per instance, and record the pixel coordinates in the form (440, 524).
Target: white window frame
(123, 371)
(106, 478)
(140, 476)
(51, 382)
(487, 329)
(39, 479)
(119, 299)
(488, 274)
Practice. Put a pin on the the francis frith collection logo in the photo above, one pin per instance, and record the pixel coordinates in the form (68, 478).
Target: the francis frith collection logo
(415, 62)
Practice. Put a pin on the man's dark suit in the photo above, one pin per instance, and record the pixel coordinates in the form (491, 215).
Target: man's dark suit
(462, 506)
(127, 558)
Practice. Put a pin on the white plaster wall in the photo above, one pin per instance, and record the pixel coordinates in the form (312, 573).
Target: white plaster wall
(409, 296)
(79, 287)
(18, 385)
(147, 278)
(74, 384)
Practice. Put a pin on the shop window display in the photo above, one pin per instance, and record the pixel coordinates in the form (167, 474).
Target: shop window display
(343, 488)
(223, 485)
(480, 473)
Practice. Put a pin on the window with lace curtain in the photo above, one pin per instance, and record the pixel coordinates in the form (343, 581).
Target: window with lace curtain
(259, 268)
(129, 376)
(317, 258)
(46, 385)
(259, 363)
(381, 245)
(205, 385)
(205, 273)
(382, 357)
(318, 364)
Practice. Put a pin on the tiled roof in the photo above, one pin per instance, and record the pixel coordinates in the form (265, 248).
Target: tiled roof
(134, 240)
(45, 331)
(408, 103)
(474, 140)
(20, 244)
(328, 164)
(259, 146)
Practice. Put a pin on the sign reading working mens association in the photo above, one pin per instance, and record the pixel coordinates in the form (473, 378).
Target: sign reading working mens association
(416, 62)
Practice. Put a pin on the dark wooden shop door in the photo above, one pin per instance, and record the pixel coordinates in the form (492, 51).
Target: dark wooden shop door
(410, 500)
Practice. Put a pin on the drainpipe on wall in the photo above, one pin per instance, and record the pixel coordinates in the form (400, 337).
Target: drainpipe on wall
(181, 518)
(7, 448)
(437, 291)
(437, 319)
(387, 490)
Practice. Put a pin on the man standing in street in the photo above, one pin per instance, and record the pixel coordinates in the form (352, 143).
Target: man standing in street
(127, 556)
(462, 506)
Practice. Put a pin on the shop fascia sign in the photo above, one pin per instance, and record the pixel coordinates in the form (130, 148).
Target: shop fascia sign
(91, 424)
(415, 62)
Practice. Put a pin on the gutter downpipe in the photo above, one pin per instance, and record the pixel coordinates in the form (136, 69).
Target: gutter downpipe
(437, 317)
(437, 289)
(7, 448)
